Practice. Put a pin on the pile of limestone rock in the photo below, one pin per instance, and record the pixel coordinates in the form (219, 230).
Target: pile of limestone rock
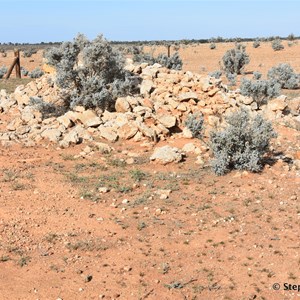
(166, 99)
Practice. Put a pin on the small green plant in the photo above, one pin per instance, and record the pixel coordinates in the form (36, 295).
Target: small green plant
(117, 163)
(51, 237)
(23, 261)
(4, 258)
(141, 225)
(137, 175)
(9, 175)
(17, 186)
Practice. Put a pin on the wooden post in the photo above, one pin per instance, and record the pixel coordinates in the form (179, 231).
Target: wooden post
(16, 62)
(169, 50)
(18, 65)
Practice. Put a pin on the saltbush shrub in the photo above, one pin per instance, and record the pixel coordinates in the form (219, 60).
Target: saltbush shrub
(36, 73)
(212, 46)
(285, 76)
(277, 45)
(256, 44)
(257, 75)
(259, 90)
(3, 71)
(91, 73)
(216, 74)
(24, 71)
(231, 77)
(173, 62)
(29, 52)
(194, 123)
(242, 144)
(234, 60)
(45, 108)
(3, 52)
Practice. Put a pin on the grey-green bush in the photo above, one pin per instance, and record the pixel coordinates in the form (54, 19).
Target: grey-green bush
(242, 144)
(256, 44)
(3, 71)
(277, 45)
(173, 62)
(3, 52)
(91, 73)
(259, 90)
(24, 71)
(29, 52)
(285, 76)
(234, 60)
(231, 77)
(216, 74)
(194, 123)
(36, 73)
(257, 75)
(45, 108)
(212, 46)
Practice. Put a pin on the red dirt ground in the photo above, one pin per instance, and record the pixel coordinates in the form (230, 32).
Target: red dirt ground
(228, 237)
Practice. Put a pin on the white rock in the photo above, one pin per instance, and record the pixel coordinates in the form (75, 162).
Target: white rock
(108, 133)
(167, 154)
(52, 134)
(167, 120)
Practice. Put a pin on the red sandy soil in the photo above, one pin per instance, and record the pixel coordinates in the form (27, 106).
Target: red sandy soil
(228, 237)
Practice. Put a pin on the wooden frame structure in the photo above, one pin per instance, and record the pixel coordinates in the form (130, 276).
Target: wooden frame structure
(15, 63)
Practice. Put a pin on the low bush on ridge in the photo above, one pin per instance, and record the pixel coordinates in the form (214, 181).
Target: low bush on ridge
(91, 73)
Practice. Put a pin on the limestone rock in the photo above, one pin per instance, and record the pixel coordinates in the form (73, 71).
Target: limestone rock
(245, 100)
(104, 148)
(65, 121)
(187, 96)
(14, 124)
(71, 138)
(127, 131)
(27, 114)
(89, 118)
(122, 105)
(6, 102)
(51, 134)
(146, 87)
(187, 133)
(189, 147)
(167, 120)
(167, 154)
(277, 104)
(20, 96)
(294, 106)
(108, 133)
